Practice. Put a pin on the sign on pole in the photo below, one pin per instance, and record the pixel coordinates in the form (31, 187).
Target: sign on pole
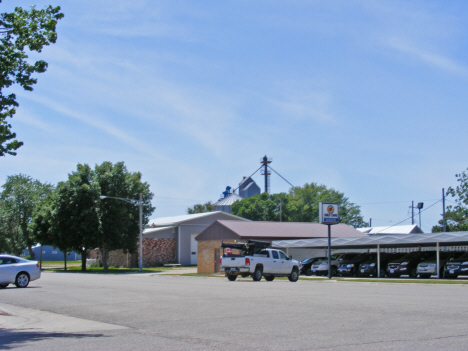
(329, 213)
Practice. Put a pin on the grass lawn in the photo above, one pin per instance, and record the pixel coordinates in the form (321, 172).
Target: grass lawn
(77, 269)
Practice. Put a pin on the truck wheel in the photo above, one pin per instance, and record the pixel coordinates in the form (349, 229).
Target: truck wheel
(294, 276)
(269, 278)
(257, 275)
(232, 277)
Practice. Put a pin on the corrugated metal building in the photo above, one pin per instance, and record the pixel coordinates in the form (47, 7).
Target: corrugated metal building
(178, 234)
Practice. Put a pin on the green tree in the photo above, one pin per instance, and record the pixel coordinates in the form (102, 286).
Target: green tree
(21, 31)
(304, 205)
(69, 219)
(20, 199)
(75, 218)
(201, 208)
(301, 204)
(120, 221)
(456, 216)
(263, 207)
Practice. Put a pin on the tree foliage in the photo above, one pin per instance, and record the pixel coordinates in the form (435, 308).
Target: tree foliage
(69, 219)
(201, 208)
(76, 218)
(119, 219)
(19, 200)
(301, 204)
(456, 215)
(21, 31)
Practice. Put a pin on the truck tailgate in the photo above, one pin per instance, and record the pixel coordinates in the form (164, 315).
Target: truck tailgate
(228, 262)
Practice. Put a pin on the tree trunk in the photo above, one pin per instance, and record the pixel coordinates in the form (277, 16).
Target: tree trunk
(105, 255)
(31, 252)
(65, 260)
(83, 259)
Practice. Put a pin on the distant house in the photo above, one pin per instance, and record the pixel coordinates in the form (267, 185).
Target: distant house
(50, 253)
(172, 239)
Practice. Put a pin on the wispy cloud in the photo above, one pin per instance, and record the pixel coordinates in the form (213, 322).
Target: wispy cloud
(430, 58)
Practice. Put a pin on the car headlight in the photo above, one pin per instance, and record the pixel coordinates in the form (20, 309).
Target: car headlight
(404, 263)
(372, 265)
(350, 266)
(432, 265)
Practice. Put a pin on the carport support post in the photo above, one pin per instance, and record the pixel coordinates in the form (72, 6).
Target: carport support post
(378, 260)
(329, 252)
(438, 261)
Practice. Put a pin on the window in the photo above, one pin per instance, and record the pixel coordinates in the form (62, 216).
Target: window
(274, 254)
(282, 255)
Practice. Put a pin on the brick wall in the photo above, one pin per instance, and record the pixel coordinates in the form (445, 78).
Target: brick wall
(206, 261)
(158, 251)
(155, 253)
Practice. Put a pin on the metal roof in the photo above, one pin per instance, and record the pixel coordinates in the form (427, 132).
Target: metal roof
(157, 229)
(430, 239)
(224, 229)
(167, 221)
(397, 229)
(229, 200)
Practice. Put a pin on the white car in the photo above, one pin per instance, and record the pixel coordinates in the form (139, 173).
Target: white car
(18, 271)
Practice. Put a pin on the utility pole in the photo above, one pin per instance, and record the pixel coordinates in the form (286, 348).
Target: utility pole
(412, 212)
(443, 210)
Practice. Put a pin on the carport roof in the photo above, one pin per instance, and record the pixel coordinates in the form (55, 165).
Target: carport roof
(225, 229)
(452, 238)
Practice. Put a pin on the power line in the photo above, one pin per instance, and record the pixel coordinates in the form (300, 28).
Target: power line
(409, 217)
(249, 177)
(388, 202)
(281, 177)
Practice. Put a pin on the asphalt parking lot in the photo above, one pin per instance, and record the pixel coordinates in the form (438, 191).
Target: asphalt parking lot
(74, 311)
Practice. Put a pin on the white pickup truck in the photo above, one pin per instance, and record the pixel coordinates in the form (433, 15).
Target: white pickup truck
(256, 259)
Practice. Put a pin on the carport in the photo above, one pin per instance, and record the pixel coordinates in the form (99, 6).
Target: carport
(382, 241)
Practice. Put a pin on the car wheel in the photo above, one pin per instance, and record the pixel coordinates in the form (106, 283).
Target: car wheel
(257, 275)
(413, 273)
(334, 271)
(294, 276)
(3, 286)
(22, 280)
(232, 277)
(269, 278)
(308, 272)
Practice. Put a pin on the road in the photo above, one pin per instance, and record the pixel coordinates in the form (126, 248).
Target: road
(74, 311)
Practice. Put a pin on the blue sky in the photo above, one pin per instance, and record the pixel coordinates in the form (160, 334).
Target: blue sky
(367, 97)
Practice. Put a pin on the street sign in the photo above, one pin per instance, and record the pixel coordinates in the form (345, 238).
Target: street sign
(329, 213)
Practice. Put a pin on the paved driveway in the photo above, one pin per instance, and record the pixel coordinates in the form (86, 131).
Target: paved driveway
(74, 311)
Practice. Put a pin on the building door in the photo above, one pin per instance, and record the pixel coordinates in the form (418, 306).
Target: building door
(216, 256)
(193, 250)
